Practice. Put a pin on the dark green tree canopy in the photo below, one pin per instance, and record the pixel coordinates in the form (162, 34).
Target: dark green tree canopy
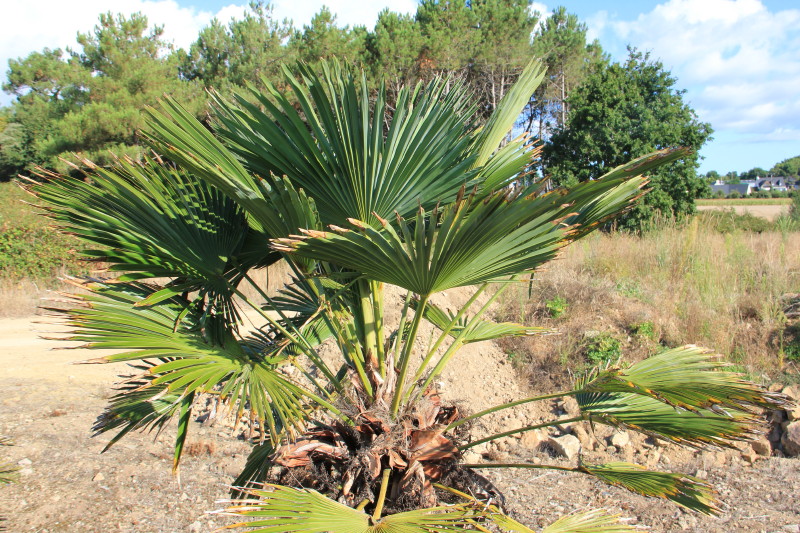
(788, 167)
(623, 111)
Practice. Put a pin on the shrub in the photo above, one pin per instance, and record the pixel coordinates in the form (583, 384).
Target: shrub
(357, 197)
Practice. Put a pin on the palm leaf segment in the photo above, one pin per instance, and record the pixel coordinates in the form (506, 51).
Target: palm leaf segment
(191, 359)
(683, 394)
(282, 509)
(477, 331)
(152, 221)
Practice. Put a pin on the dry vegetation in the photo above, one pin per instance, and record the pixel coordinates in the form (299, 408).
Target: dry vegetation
(616, 292)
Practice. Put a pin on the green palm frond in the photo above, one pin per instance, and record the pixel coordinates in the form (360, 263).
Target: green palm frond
(138, 404)
(688, 378)
(465, 243)
(652, 417)
(334, 145)
(596, 202)
(150, 220)
(480, 330)
(594, 521)
(281, 509)
(684, 490)
(192, 359)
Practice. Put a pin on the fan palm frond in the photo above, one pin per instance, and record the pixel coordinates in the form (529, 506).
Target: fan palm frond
(684, 490)
(588, 522)
(191, 359)
(150, 220)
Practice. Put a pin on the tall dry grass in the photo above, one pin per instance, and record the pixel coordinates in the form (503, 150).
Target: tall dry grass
(674, 286)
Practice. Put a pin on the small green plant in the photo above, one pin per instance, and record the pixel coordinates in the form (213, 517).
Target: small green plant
(556, 307)
(644, 329)
(629, 288)
(602, 349)
(791, 352)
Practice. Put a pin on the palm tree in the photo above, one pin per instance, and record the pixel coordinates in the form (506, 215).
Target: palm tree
(354, 195)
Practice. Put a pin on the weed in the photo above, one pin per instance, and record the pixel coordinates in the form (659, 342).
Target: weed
(602, 348)
(630, 288)
(645, 330)
(556, 307)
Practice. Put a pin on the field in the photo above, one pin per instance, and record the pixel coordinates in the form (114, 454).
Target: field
(741, 201)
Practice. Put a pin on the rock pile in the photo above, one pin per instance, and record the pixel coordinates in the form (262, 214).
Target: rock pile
(784, 431)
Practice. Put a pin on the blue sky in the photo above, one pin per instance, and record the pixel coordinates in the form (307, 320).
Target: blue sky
(738, 60)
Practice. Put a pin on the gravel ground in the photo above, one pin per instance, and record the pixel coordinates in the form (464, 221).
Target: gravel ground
(48, 408)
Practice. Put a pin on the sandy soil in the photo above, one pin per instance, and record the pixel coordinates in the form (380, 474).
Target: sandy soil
(48, 407)
(770, 212)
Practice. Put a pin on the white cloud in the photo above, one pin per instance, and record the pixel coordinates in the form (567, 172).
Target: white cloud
(738, 60)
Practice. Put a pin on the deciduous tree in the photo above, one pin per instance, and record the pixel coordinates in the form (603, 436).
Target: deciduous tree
(623, 111)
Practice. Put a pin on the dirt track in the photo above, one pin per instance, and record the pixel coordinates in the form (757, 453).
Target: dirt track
(48, 407)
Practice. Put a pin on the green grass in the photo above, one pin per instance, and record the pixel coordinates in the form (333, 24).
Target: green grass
(29, 248)
(742, 201)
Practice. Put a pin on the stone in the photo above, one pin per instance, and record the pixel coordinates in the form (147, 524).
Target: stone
(791, 439)
(25, 462)
(762, 446)
(99, 477)
(620, 439)
(530, 439)
(570, 406)
(791, 392)
(791, 528)
(775, 387)
(793, 412)
(195, 527)
(749, 455)
(585, 438)
(567, 446)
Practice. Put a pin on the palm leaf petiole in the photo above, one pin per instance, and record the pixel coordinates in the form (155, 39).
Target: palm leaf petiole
(508, 405)
(405, 357)
(519, 430)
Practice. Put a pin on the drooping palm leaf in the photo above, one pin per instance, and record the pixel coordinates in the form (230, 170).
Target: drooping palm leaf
(594, 521)
(193, 359)
(652, 417)
(684, 490)
(285, 509)
(480, 330)
(335, 148)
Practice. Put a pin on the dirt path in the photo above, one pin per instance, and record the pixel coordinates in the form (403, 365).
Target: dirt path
(49, 405)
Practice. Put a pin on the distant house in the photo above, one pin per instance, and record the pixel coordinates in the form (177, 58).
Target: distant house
(777, 183)
(742, 188)
(746, 187)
